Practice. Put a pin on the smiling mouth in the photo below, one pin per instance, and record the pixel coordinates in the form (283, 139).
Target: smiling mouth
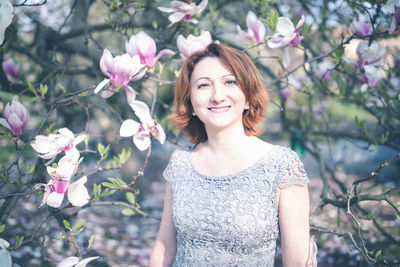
(218, 109)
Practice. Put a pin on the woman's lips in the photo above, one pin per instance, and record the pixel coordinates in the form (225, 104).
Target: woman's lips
(218, 109)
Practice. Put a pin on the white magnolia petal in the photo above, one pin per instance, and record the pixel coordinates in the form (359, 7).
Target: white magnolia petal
(78, 195)
(128, 128)
(141, 141)
(101, 85)
(5, 124)
(5, 258)
(6, 16)
(67, 132)
(349, 60)
(79, 139)
(83, 262)
(175, 17)
(160, 133)
(285, 26)
(68, 262)
(142, 111)
(286, 58)
(4, 243)
(166, 9)
(55, 199)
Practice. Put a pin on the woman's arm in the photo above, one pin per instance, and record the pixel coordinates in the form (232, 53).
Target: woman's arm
(164, 249)
(294, 226)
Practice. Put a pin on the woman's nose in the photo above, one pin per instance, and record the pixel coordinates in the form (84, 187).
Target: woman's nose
(218, 93)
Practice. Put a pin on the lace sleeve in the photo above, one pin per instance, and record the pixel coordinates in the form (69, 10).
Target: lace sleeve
(167, 174)
(293, 172)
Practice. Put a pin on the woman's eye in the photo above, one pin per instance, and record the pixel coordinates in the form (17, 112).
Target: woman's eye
(202, 85)
(231, 82)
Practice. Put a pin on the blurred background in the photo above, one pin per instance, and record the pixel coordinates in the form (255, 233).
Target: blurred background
(335, 100)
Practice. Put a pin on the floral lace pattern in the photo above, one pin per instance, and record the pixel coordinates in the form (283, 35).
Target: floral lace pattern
(230, 220)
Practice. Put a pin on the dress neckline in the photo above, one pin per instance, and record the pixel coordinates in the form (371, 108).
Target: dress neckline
(232, 175)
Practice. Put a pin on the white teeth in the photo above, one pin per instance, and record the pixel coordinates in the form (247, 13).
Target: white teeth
(219, 109)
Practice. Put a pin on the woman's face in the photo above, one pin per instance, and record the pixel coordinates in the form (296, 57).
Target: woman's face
(216, 97)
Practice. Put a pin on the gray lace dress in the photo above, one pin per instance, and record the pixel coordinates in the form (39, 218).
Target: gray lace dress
(230, 220)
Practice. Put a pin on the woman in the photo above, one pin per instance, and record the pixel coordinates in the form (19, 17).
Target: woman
(226, 195)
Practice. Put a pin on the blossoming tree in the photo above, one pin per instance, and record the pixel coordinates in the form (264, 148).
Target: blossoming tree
(332, 69)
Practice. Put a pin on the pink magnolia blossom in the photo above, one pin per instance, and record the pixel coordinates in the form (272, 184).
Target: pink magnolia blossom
(184, 12)
(75, 262)
(11, 69)
(120, 71)
(323, 70)
(392, 7)
(143, 131)
(143, 45)
(286, 33)
(255, 29)
(360, 28)
(60, 184)
(6, 16)
(50, 146)
(15, 117)
(191, 44)
(369, 62)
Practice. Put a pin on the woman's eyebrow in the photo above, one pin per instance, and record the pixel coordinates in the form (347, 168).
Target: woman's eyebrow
(207, 78)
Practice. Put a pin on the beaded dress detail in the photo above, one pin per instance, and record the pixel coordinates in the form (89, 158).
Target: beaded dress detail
(230, 220)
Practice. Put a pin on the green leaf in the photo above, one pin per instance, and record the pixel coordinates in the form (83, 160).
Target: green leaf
(43, 89)
(84, 93)
(371, 216)
(124, 156)
(91, 239)
(78, 225)
(398, 217)
(58, 238)
(378, 255)
(128, 212)
(30, 170)
(19, 241)
(62, 88)
(338, 53)
(2, 228)
(87, 139)
(30, 99)
(67, 225)
(106, 192)
(272, 20)
(32, 89)
(131, 197)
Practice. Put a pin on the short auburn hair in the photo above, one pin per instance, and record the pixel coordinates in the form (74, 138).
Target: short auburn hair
(246, 74)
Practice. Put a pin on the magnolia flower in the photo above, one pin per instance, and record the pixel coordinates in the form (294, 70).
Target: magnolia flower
(360, 29)
(286, 33)
(255, 29)
(6, 15)
(5, 257)
(11, 69)
(183, 11)
(15, 117)
(142, 132)
(143, 45)
(60, 184)
(50, 146)
(192, 43)
(323, 69)
(369, 62)
(74, 261)
(392, 7)
(120, 71)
